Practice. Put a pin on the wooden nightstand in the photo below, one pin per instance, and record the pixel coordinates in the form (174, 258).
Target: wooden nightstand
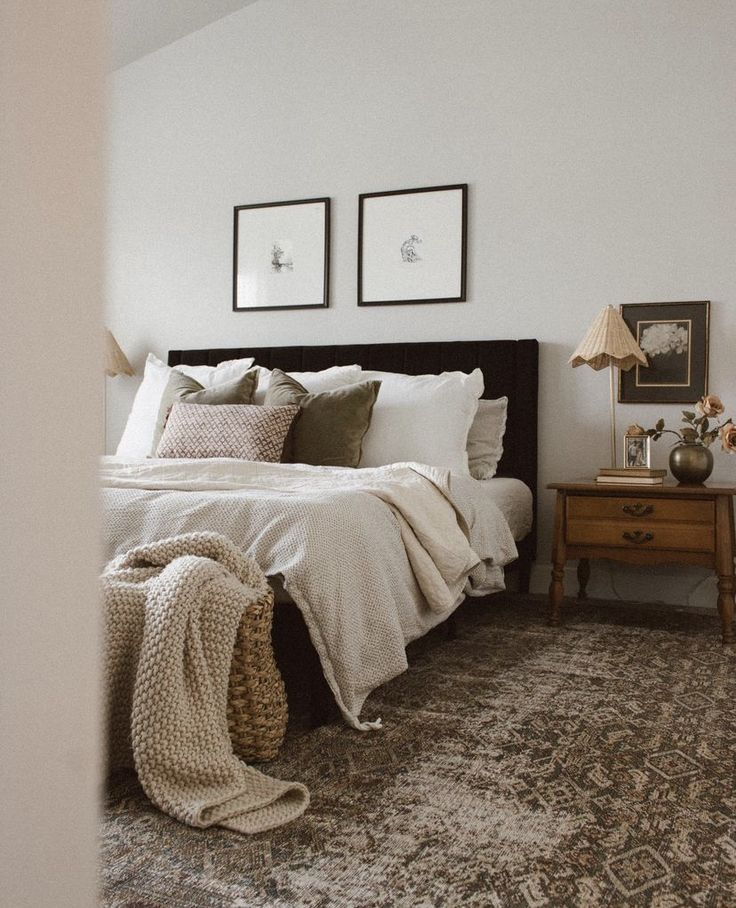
(644, 524)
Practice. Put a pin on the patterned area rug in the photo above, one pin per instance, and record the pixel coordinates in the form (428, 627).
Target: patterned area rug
(519, 765)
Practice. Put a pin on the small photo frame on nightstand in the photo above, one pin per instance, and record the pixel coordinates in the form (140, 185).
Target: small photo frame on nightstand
(637, 451)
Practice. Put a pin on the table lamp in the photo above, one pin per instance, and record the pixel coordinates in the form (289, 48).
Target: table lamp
(609, 343)
(115, 363)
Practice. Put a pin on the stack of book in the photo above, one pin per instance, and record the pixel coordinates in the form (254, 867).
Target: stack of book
(634, 476)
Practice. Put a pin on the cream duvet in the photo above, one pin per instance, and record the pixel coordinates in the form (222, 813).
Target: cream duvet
(373, 558)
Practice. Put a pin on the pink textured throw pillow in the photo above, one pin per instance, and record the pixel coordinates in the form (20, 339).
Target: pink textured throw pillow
(243, 431)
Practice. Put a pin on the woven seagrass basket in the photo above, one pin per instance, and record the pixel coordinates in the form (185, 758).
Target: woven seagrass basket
(256, 707)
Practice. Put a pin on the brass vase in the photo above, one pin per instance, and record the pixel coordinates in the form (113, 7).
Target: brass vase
(691, 464)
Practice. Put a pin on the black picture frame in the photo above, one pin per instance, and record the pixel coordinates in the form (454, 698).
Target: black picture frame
(386, 246)
(253, 226)
(675, 339)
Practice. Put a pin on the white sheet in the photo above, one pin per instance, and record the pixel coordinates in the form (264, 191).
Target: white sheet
(372, 558)
(515, 500)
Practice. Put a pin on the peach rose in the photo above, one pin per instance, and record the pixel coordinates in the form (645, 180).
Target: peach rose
(710, 405)
(728, 437)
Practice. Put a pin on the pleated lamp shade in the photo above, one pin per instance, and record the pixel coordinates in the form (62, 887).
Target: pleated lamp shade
(116, 362)
(608, 343)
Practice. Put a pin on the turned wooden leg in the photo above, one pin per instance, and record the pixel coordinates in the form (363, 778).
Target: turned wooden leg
(725, 607)
(559, 556)
(725, 546)
(556, 593)
(583, 578)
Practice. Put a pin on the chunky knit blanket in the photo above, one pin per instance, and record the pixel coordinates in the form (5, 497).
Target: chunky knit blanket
(172, 610)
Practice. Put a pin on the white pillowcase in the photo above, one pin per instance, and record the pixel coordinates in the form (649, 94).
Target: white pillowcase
(326, 380)
(485, 439)
(215, 375)
(137, 439)
(424, 418)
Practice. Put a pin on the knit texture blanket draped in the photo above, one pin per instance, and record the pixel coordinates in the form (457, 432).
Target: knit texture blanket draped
(172, 611)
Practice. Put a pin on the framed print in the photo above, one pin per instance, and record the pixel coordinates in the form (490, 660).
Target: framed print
(637, 451)
(412, 246)
(281, 255)
(674, 339)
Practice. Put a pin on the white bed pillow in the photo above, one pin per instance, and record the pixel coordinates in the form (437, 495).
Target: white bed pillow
(485, 438)
(137, 438)
(215, 375)
(315, 382)
(424, 418)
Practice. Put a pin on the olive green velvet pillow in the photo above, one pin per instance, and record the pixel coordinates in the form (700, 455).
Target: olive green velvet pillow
(330, 426)
(181, 387)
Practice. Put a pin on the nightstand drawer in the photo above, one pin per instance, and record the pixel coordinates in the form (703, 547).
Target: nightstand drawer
(651, 510)
(643, 534)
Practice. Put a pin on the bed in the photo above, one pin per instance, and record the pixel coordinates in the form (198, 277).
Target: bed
(307, 657)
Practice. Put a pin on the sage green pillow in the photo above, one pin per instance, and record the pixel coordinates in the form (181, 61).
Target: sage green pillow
(330, 426)
(181, 387)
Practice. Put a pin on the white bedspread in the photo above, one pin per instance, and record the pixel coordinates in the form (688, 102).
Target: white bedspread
(515, 500)
(372, 558)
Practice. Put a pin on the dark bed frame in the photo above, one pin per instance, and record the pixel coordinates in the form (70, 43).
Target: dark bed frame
(510, 367)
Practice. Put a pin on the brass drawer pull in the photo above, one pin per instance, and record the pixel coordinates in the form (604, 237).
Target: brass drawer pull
(638, 537)
(638, 509)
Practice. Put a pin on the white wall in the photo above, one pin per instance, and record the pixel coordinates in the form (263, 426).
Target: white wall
(598, 139)
(51, 96)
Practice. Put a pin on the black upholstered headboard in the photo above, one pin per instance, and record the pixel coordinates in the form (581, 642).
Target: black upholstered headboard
(510, 367)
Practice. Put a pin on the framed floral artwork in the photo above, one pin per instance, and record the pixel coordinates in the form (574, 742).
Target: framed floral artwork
(674, 339)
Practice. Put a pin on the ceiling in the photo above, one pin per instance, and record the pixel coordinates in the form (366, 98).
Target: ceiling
(140, 27)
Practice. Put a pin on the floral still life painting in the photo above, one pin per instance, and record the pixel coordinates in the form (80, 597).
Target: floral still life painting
(674, 339)
(666, 345)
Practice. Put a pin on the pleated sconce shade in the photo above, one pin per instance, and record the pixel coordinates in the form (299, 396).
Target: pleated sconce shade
(116, 362)
(608, 343)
